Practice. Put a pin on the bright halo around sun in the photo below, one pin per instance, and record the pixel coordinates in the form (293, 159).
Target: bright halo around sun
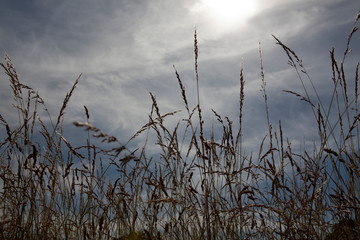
(230, 11)
(226, 13)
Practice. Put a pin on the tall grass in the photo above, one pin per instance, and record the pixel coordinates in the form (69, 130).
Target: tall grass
(199, 185)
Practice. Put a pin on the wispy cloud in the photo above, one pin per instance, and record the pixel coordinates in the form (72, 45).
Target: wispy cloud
(126, 49)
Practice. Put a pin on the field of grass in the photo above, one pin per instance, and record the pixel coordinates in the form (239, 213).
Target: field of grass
(198, 186)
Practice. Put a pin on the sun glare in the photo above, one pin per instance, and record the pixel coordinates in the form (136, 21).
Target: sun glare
(230, 11)
(227, 13)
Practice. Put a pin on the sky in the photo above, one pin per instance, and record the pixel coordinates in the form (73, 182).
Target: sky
(126, 49)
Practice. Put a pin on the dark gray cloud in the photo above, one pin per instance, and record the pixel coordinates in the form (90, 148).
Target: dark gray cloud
(127, 48)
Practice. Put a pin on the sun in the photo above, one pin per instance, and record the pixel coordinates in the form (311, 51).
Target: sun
(227, 12)
(230, 11)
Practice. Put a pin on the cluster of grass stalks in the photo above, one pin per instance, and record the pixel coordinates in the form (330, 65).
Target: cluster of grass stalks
(198, 186)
